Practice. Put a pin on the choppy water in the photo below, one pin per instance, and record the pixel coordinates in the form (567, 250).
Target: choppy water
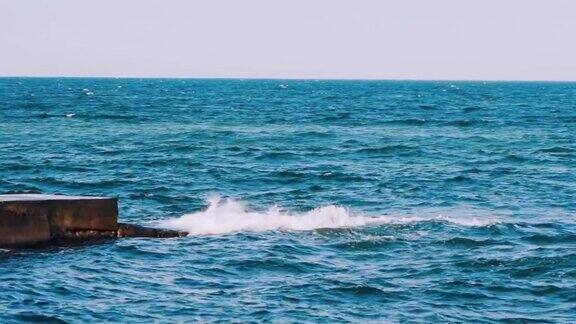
(321, 201)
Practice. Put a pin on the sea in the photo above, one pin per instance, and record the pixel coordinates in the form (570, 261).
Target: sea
(305, 200)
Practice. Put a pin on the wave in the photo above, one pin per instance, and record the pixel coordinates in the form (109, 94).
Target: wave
(390, 149)
(466, 123)
(556, 150)
(408, 122)
(228, 216)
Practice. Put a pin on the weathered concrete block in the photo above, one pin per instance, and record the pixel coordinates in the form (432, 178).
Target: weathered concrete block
(27, 220)
(32, 219)
(99, 214)
(20, 228)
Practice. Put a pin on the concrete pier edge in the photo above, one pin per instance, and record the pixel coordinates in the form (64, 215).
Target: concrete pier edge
(28, 220)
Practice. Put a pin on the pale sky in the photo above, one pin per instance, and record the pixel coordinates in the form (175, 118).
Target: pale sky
(366, 39)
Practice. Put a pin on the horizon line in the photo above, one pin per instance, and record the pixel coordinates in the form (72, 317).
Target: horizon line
(279, 78)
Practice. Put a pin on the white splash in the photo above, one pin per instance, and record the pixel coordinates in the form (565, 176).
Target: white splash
(225, 216)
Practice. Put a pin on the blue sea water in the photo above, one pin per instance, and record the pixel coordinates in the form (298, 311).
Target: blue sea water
(307, 201)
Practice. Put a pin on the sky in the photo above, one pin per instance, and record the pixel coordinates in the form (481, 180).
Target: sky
(317, 39)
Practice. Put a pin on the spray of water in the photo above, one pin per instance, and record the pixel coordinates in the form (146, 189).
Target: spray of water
(224, 216)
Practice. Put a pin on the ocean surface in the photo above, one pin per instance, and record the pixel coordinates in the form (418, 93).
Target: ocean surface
(306, 201)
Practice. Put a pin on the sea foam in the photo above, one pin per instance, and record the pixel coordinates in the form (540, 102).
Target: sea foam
(225, 216)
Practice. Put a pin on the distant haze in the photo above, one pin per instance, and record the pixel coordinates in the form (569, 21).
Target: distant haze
(366, 39)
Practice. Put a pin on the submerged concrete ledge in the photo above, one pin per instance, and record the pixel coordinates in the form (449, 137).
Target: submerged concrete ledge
(32, 219)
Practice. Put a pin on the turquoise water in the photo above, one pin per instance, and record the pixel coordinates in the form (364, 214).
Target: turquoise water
(312, 201)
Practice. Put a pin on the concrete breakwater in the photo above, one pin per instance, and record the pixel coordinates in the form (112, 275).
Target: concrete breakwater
(31, 219)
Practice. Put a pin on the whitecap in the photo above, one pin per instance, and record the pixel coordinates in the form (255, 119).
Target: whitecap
(226, 216)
